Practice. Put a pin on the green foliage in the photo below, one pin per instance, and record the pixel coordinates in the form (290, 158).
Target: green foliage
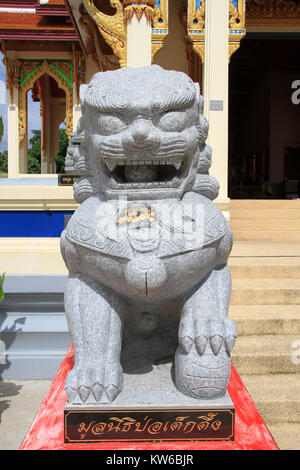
(63, 145)
(1, 287)
(3, 161)
(34, 153)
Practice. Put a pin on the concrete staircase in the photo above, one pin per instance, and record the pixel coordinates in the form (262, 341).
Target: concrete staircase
(277, 220)
(265, 303)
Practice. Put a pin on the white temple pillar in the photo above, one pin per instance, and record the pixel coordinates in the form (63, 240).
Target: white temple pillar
(216, 89)
(138, 42)
(13, 136)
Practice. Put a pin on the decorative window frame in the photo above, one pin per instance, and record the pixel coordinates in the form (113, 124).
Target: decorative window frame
(32, 69)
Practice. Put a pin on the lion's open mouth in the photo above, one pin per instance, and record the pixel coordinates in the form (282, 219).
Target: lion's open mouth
(145, 174)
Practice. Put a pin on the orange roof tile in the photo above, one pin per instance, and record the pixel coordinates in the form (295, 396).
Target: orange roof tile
(28, 21)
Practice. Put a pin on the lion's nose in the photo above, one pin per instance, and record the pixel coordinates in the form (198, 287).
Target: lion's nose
(140, 133)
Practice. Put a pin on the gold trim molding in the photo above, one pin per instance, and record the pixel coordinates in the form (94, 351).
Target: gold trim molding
(272, 13)
(273, 8)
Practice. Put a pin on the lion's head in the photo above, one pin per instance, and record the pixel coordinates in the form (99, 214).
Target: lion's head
(143, 135)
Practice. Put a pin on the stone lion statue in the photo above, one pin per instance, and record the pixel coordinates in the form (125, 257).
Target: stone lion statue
(146, 250)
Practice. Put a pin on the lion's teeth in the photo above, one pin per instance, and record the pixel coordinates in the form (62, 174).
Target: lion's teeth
(111, 165)
(177, 165)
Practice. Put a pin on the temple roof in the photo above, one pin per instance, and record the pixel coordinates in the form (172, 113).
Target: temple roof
(36, 22)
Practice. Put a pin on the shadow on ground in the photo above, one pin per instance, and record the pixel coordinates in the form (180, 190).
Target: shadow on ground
(7, 389)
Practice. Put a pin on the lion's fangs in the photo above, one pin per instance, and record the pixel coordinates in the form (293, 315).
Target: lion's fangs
(174, 183)
(112, 164)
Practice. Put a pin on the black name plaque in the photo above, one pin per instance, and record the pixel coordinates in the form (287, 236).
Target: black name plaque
(184, 424)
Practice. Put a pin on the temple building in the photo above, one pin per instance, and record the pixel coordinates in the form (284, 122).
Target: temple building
(245, 56)
(241, 52)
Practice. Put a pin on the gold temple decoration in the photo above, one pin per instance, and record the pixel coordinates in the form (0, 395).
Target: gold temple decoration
(283, 8)
(12, 73)
(159, 25)
(138, 8)
(29, 72)
(111, 27)
(195, 22)
(272, 13)
(103, 61)
(236, 25)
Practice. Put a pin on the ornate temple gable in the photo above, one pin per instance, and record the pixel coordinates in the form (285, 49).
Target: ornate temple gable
(272, 13)
(109, 20)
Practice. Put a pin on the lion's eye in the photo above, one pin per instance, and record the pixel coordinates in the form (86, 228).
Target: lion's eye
(108, 124)
(173, 121)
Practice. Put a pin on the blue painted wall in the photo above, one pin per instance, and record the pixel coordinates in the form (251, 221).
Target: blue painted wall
(32, 223)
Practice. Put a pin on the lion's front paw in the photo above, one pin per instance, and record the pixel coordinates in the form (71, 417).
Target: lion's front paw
(202, 361)
(94, 383)
(204, 332)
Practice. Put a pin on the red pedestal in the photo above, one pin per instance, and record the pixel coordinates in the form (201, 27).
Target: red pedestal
(47, 430)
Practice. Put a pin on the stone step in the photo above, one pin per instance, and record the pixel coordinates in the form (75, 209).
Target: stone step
(265, 203)
(260, 213)
(264, 224)
(267, 354)
(265, 292)
(264, 249)
(276, 396)
(286, 435)
(276, 235)
(264, 267)
(266, 319)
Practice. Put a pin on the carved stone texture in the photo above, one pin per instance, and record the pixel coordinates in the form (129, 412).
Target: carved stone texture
(147, 249)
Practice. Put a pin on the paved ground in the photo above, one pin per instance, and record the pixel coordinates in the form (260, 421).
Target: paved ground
(19, 403)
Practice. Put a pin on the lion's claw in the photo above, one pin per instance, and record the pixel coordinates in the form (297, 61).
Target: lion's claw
(214, 332)
(84, 392)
